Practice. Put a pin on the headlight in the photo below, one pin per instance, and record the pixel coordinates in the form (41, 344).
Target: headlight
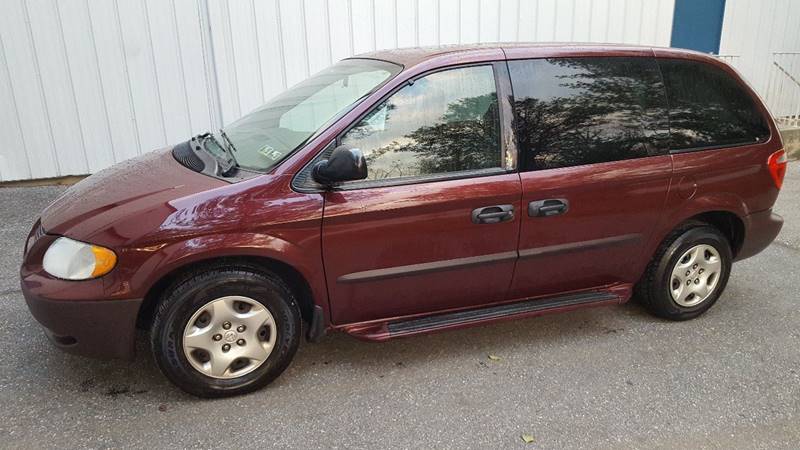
(73, 260)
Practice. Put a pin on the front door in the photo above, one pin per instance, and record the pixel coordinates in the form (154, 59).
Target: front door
(435, 225)
(592, 133)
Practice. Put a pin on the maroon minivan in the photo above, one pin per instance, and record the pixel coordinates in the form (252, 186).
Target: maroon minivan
(408, 191)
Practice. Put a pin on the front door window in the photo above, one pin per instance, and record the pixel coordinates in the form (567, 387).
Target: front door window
(445, 122)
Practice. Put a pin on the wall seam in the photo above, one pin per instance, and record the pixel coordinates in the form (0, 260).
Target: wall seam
(155, 72)
(499, 16)
(231, 54)
(480, 19)
(71, 84)
(281, 50)
(182, 69)
(458, 22)
(100, 80)
(121, 39)
(210, 65)
(258, 53)
(374, 26)
(304, 30)
(16, 109)
(438, 22)
(327, 14)
(350, 26)
(42, 98)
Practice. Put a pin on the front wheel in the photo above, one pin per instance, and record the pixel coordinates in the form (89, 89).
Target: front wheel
(225, 331)
(688, 273)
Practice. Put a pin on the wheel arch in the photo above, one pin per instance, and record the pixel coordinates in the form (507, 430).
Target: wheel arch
(728, 220)
(729, 223)
(293, 277)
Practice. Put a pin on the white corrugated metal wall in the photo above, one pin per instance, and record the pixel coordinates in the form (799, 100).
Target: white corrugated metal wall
(755, 29)
(86, 83)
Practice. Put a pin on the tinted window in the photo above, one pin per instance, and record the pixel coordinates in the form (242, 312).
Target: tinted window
(574, 111)
(708, 107)
(445, 122)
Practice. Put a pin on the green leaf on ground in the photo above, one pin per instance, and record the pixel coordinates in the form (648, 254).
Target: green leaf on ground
(527, 438)
(494, 357)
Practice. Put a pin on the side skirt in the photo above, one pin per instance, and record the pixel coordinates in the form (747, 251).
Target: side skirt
(399, 327)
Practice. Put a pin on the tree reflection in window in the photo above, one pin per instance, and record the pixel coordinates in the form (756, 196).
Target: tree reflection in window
(445, 122)
(708, 108)
(575, 111)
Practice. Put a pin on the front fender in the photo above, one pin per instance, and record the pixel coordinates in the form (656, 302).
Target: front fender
(147, 265)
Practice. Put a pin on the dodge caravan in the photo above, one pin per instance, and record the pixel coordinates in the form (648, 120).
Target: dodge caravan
(409, 191)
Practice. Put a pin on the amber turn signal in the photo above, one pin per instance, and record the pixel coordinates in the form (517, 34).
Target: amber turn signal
(104, 261)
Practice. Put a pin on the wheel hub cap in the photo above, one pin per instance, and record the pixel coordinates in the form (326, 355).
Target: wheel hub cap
(695, 275)
(229, 337)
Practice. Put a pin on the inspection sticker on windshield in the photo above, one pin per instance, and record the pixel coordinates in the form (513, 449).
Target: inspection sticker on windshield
(270, 153)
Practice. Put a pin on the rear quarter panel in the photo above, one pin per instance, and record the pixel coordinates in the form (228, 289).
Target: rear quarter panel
(733, 179)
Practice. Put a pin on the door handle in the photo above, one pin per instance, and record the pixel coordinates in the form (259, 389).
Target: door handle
(549, 207)
(493, 214)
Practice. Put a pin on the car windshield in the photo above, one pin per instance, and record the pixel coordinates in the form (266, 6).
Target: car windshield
(265, 136)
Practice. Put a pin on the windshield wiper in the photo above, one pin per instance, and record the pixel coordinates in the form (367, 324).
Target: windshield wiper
(228, 140)
(227, 165)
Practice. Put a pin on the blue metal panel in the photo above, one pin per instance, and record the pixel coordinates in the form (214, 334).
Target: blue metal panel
(697, 24)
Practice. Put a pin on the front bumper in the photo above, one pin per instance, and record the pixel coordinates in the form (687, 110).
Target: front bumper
(761, 229)
(94, 328)
(77, 316)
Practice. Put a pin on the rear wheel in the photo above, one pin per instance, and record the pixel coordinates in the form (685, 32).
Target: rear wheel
(688, 273)
(225, 331)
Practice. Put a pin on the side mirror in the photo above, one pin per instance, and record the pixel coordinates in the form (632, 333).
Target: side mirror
(345, 164)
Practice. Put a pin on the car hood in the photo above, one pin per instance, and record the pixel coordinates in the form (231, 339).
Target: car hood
(135, 190)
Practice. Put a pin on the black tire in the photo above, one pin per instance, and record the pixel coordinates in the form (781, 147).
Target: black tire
(653, 290)
(189, 293)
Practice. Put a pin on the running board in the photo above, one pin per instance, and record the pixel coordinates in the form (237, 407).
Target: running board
(386, 330)
(493, 312)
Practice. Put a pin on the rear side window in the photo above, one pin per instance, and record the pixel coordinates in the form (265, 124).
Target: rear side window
(708, 107)
(575, 111)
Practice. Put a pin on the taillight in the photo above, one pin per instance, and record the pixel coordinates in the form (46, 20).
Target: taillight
(777, 164)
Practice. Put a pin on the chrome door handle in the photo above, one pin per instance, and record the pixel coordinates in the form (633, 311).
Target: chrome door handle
(493, 214)
(549, 207)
